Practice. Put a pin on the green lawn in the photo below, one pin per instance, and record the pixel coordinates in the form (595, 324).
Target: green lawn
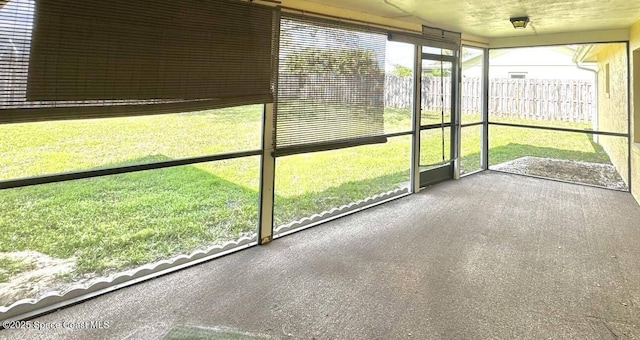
(116, 222)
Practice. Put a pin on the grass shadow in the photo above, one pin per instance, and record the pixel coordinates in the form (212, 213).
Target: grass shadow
(121, 221)
(128, 219)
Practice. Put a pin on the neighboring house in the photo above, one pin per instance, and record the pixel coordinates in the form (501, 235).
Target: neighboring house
(554, 62)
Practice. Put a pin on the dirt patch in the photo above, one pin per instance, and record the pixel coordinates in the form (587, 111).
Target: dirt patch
(598, 174)
(43, 277)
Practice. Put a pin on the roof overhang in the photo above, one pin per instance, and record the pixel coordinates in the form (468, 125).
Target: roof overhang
(588, 53)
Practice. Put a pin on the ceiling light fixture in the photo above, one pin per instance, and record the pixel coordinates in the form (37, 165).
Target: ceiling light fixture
(519, 22)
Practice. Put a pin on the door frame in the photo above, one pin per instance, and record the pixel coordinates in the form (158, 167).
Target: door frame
(449, 170)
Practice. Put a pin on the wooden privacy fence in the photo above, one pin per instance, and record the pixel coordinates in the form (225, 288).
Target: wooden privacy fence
(566, 100)
(436, 95)
(543, 99)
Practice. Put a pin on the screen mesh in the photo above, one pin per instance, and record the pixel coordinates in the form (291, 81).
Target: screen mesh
(330, 86)
(65, 59)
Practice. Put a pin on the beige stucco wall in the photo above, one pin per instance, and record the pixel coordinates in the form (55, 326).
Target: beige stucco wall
(612, 107)
(634, 44)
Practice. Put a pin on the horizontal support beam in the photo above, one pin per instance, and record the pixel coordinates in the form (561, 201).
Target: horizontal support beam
(435, 126)
(588, 37)
(327, 146)
(68, 176)
(590, 132)
(345, 15)
(471, 124)
(474, 41)
(429, 56)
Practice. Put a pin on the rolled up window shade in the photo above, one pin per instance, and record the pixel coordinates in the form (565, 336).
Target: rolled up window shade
(330, 86)
(95, 58)
(441, 38)
(433, 37)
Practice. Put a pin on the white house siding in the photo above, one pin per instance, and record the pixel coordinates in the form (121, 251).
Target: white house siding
(537, 62)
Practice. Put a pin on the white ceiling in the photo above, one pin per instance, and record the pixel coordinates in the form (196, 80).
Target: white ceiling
(490, 18)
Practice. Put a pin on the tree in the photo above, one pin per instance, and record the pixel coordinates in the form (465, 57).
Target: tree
(333, 61)
(402, 70)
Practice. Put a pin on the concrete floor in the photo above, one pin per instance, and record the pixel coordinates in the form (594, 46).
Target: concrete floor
(490, 256)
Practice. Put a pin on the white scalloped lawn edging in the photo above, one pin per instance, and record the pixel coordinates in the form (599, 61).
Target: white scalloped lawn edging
(26, 308)
(52, 300)
(338, 211)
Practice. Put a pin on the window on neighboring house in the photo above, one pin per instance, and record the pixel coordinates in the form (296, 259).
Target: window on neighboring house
(518, 75)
